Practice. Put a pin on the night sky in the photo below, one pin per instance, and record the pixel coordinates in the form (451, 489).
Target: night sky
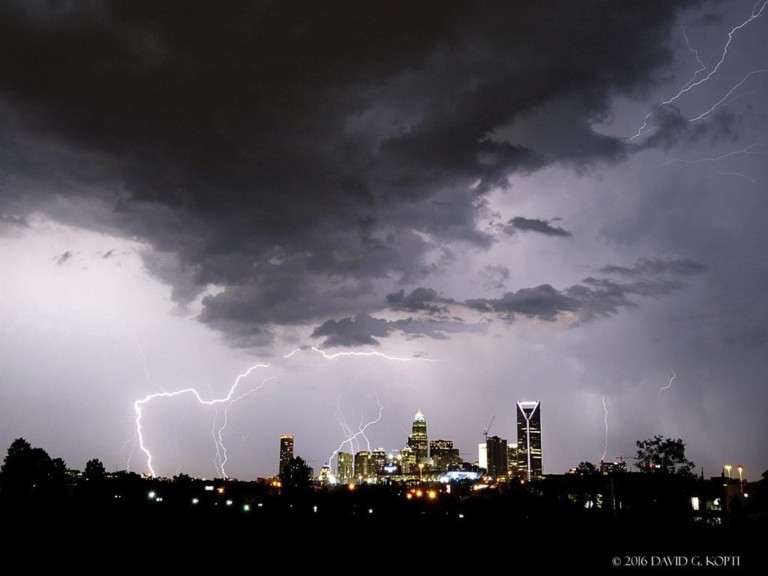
(485, 201)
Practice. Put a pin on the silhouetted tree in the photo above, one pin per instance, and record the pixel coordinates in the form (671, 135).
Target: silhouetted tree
(94, 470)
(664, 456)
(296, 476)
(587, 469)
(27, 471)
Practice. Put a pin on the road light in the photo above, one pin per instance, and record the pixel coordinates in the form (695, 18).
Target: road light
(728, 469)
(741, 473)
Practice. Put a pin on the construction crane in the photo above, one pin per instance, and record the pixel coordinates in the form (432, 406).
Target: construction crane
(485, 432)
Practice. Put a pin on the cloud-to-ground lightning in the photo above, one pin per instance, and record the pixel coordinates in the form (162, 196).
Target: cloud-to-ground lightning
(704, 73)
(217, 430)
(353, 438)
(669, 385)
(230, 397)
(605, 420)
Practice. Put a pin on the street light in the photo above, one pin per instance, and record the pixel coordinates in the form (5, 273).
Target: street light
(741, 471)
(728, 469)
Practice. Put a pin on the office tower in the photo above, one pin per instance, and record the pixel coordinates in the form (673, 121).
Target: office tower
(407, 460)
(482, 456)
(344, 467)
(496, 450)
(529, 440)
(378, 460)
(418, 438)
(443, 454)
(364, 465)
(286, 451)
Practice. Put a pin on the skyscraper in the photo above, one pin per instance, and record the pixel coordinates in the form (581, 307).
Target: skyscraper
(364, 465)
(529, 440)
(286, 451)
(344, 467)
(417, 441)
(496, 450)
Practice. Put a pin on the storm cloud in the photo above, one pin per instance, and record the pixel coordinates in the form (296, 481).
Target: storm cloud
(305, 157)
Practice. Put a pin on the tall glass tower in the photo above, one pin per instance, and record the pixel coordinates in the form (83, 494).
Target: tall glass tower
(417, 441)
(529, 440)
(286, 451)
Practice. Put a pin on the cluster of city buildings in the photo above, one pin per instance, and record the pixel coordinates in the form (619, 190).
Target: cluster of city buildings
(425, 459)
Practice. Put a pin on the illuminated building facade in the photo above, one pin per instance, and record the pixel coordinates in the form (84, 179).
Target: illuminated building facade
(529, 440)
(496, 450)
(286, 451)
(417, 441)
(345, 468)
(378, 460)
(407, 460)
(482, 456)
(364, 465)
(512, 460)
(607, 468)
(443, 454)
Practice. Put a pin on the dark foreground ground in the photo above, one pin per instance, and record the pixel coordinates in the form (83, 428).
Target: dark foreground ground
(373, 534)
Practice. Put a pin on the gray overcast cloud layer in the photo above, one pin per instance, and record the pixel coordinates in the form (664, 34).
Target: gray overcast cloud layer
(298, 153)
(453, 180)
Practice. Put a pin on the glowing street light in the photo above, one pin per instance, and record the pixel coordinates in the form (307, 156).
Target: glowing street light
(728, 469)
(741, 473)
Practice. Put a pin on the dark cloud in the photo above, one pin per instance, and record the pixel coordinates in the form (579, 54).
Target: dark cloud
(656, 266)
(63, 258)
(535, 225)
(360, 331)
(365, 330)
(594, 297)
(300, 155)
(543, 302)
(419, 300)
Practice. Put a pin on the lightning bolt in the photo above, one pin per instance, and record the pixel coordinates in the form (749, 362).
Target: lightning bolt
(138, 406)
(605, 420)
(368, 352)
(668, 386)
(700, 78)
(692, 84)
(217, 430)
(752, 149)
(353, 438)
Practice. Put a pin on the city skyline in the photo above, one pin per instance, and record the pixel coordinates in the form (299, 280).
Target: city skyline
(321, 218)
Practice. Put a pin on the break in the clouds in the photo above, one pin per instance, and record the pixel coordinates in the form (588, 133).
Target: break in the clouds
(535, 225)
(304, 158)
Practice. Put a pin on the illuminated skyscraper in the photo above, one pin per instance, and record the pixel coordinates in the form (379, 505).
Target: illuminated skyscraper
(418, 439)
(378, 460)
(286, 451)
(529, 440)
(482, 456)
(496, 449)
(344, 467)
(364, 465)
